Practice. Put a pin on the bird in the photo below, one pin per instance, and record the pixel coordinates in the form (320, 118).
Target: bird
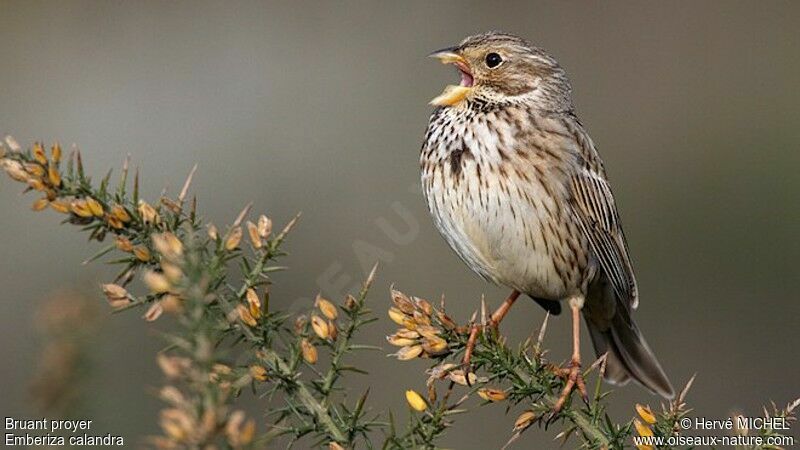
(517, 188)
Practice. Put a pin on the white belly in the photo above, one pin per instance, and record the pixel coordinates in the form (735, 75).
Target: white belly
(498, 233)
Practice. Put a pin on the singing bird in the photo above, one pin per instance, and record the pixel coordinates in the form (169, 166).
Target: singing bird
(517, 188)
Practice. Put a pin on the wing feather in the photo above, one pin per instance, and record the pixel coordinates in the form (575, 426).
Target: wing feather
(595, 210)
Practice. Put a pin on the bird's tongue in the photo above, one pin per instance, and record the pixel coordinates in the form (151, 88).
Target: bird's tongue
(466, 78)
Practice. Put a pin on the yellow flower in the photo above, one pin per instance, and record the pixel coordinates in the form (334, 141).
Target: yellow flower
(327, 307)
(524, 420)
(147, 212)
(407, 353)
(233, 239)
(435, 345)
(252, 231)
(264, 226)
(142, 253)
(212, 232)
(94, 206)
(120, 213)
(397, 316)
(40, 204)
(116, 295)
(123, 244)
(156, 282)
(416, 401)
(60, 206)
(245, 316)
(642, 429)
(258, 373)
(646, 413)
(38, 153)
(492, 395)
(14, 170)
(253, 303)
(309, 351)
(34, 170)
(80, 208)
(56, 153)
(168, 245)
(400, 341)
(54, 176)
(320, 327)
(153, 312)
(114, 223)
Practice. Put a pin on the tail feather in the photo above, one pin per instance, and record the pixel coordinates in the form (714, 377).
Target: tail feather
(614, 333)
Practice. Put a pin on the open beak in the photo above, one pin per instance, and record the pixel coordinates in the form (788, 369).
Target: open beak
(453, 94)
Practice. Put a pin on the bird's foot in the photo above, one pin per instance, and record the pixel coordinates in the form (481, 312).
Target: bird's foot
(572, 374)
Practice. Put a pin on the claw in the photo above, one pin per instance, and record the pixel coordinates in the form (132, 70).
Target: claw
(574, 379)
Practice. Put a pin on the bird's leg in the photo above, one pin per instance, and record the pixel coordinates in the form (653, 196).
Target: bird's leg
(500, 313)
(572, 373)
(494, 322)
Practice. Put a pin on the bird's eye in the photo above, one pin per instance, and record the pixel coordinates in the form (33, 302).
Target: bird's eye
(493, 60)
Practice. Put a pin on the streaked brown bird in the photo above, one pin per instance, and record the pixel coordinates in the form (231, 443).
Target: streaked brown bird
(515, 185)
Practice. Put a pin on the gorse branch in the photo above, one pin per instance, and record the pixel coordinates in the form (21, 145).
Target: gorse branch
(229, 339)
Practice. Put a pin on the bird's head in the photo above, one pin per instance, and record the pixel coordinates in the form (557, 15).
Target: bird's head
(499, 68)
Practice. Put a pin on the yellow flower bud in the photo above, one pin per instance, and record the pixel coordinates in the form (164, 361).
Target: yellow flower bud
(142, 253)
(114, 223)
(258, 373)
(245, 316)
(642, 429)
(40, 204)
(156, 282)
(397, 316)
(153, 312)
(646, 413)
(406, 353)
(168, 245)
(309, 351)
(80, 208)
(233, 239)
(492, 395)
(148, 213)
(119, 212)
(38, 153)
(400, 341)
(320, 327)
(94, 206)
(123, 244)
(402, 302)
(253, 303)
(416, 401)
(264, 226)
(54, 176)
(524, 420)
(327, 307)
(212, 232)
(56, 153)
(252, 231)
(60, 206)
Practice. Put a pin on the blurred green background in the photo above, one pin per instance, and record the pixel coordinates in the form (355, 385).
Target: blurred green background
(320, 107)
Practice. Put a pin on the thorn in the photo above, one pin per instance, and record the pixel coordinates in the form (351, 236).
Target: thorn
(288, 227)
(242, 215)
(473, 317)
(599, 362)
(542, 331)
(371, 276)
(483, 310)
(441, 303)
(186, 184)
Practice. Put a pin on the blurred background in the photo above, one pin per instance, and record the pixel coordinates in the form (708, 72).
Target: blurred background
(320, 107)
